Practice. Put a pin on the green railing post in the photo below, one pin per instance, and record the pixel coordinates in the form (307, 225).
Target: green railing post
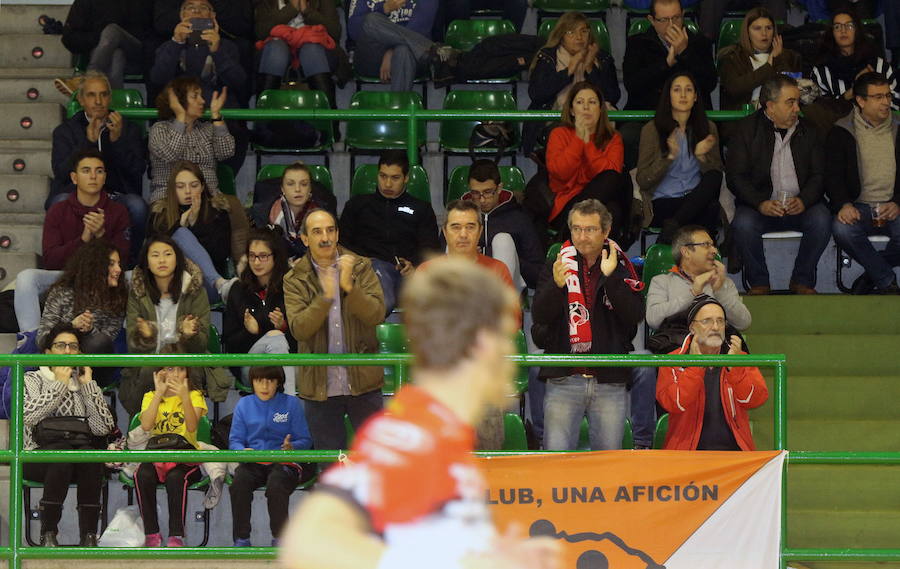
(780, 440)
(15, 466)
(412, 132)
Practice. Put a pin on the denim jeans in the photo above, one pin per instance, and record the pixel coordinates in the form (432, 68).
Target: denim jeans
(749, 226)
(643, 403)
(378, 35)
(194, 251)
(276, 56)
(390, 279)
(116, 50)
(30, 285)
(273, 344)
(854, 239)
(569, 399)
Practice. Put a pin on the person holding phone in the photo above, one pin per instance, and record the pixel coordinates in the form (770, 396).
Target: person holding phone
(708, 406)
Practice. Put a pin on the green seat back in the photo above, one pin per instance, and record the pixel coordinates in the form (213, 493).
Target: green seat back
(560, 6)
(119, 99)
(514, 433)
(641, 25)
(226, 179)
(383, 134)
(365, 181)
(318, 172)
(454, 135)
(553, 251)
(521, 378)
(729, 33)
(289, 99)
(510, 176)
(598, 28)
(464, 34)
(659, 435)
(391, 340)
(658, 261)
(214, 346)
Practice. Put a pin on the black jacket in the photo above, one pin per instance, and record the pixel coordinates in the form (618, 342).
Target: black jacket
(748, 169)
(645, 69)
(87, 18)
(235, 337)
(509, 217)
(375, 226)
(842, 182)
(611, 330)
(214, 235)
(125, 159)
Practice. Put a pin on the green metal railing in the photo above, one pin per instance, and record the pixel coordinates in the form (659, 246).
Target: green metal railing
(414, 115)
(16, 456)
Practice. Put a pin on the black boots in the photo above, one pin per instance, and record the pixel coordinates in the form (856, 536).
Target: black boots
(89, 540)
(88, 516)
(323, 82)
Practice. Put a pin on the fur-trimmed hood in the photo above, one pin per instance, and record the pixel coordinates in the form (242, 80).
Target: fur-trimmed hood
(191, 280)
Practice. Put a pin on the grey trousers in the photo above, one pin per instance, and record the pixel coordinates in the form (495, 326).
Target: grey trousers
(379, 34)
(116, 49)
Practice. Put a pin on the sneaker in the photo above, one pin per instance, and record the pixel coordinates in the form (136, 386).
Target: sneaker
(153, 540)
(241, 542)
(68, 86)
(175, 541)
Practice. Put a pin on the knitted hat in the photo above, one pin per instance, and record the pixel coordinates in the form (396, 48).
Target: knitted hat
(699, 302)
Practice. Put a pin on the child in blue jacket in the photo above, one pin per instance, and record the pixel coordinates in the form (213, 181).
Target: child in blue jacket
(267, 420)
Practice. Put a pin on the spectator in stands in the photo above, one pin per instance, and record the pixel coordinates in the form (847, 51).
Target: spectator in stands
(308, 38)
(863, 182)
(174, 406)
(90, 295)
(588, 301)
(711, 13)
(707, 406)
(110, 33)
(509, 235)
(87, 213)
(254, 320)
(449, 10)
(118, 140)
(334, 302)
(584, 160)
(776, 169)
(757, 57)
(392, 227)
(679, 167)
(269, 419)
(65, 391)
(653, 56)
(845, 54)
(892, 31)
(392, 39)
(167, 308)
(200, 223)
(571, 55)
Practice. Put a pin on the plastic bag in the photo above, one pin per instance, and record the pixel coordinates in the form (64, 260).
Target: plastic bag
(125, 530)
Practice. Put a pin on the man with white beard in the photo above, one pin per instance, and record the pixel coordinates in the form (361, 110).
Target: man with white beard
(708, 405)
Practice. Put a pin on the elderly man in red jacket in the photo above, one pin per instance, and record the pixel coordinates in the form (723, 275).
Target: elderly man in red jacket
(708, 405)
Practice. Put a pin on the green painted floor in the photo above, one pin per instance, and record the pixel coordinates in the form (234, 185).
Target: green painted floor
(843, 395)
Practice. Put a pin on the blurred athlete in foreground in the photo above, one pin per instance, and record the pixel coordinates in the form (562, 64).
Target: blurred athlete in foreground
(411, 495)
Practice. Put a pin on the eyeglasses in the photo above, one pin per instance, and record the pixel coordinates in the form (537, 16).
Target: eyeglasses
(60, 346)
(197, 8)
(880, 97)
(263, 257)
(704, 244)
(585, 230)
(673, 20)
(707, 322)
(483, 195)
(849, 26)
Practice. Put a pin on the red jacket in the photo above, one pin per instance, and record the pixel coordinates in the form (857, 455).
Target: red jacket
(63, 226)
(296, 37)
(681, 392)
(572, 163)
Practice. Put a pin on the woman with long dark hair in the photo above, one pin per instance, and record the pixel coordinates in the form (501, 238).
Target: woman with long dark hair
(585, 156)
(679, 167)
(255, 320)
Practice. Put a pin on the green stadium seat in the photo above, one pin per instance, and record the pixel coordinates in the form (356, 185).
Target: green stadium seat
(377, 135)
(553, 251)
(289, 99)
(119, 99)
(514, 438)
(659, 435)
(34, 514)
(598, 27)
(729, 33)
(464, 34)
(365, 181)
(510, 176)
(214, 345)
(657, 262)
(521, 378)
(226, 179)
(641, 25)
(318, 173)
(392, 340)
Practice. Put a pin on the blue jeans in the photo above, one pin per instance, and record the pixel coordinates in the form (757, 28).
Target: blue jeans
(749, 226)
(30, 285)
(273, 344)
(643, 403)
(379, 34)
(569, 399)
(854, 239)
(116, 50)
(391, 280)
(276, 56)
(194, 251)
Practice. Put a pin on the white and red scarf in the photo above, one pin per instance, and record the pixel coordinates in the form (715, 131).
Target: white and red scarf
(580, 336)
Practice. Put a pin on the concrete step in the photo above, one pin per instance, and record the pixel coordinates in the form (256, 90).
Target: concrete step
(32, 155)
(23, 193)
(22, 238)
(31, 90)
(11, 264)
(18, 19)
(35, 72)
(34, 121)
(33, 50)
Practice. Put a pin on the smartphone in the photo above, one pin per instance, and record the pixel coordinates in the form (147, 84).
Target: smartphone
(108, 122)
(198, 25)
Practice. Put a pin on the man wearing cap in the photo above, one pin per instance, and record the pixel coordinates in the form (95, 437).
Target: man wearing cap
(708, 405)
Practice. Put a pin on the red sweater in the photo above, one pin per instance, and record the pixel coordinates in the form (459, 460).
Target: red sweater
(572, 163)
(680, 390)
(63, 226)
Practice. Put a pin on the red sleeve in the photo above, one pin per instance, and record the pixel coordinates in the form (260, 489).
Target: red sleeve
(679, 388)
(565, 153)
(55, 249)
(749, 386)
(612, 157)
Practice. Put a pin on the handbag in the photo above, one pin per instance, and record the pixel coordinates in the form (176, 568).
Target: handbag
(169, 441)
(73, 431)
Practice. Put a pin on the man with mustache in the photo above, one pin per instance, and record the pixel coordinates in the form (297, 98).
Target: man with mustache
(708, 405)
(334, 301)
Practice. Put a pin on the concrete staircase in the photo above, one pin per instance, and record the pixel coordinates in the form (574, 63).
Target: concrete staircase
(30, 108)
